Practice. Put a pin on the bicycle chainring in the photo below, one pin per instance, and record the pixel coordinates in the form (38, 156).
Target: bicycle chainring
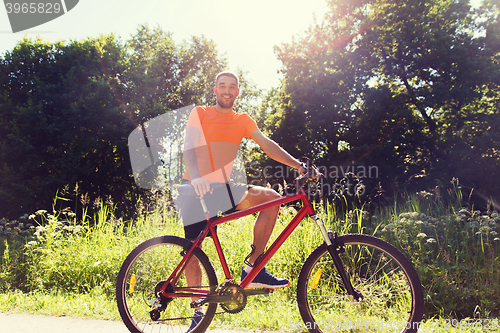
(238, 297)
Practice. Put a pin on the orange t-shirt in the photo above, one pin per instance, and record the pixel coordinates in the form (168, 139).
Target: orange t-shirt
(219, 141)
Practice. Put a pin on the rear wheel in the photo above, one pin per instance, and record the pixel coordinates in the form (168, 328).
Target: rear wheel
(143, 274)
(391, 290)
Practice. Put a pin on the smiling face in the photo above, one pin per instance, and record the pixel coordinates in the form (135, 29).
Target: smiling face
(226, 89)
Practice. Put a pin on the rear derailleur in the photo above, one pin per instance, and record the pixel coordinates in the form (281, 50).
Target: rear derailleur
(160, 303)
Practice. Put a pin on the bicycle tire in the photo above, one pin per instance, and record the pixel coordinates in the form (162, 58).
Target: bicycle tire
(151, 262)
(391, 289)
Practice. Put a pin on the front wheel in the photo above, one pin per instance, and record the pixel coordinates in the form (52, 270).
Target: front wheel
(143, 274)
(392, 297)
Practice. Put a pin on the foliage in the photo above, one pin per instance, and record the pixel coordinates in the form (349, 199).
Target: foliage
(457, 257)
(67, 109)
(411, 87)
(58, 114)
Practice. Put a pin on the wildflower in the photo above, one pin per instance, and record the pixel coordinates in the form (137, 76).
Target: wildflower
(484, 229)
(431, 240)
(388, 227)
(40, 212)
(421, 235)
(40, 229)
(464, 211)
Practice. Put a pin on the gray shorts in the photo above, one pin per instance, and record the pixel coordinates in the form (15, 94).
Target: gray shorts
(223, 200)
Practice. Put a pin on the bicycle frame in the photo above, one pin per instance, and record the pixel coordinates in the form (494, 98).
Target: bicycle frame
(307, 209)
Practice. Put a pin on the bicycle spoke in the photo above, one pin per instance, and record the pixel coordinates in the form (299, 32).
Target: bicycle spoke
(142, 305)
(387, 293)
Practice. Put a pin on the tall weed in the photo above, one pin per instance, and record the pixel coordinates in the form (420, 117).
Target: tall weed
(456, 250)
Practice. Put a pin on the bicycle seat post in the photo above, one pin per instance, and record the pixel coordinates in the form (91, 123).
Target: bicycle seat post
(205, 209)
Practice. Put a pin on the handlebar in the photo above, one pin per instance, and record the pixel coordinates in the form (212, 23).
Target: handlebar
(312, 173)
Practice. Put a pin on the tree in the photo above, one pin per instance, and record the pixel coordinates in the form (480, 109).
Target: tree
(61, 124)
(67, 110)
(407, 85)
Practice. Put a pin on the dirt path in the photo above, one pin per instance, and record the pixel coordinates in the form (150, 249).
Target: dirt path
(25, 323)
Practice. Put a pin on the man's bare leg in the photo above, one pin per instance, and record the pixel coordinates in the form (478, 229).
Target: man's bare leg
(261, 233)
(193, 275)
(264, 225)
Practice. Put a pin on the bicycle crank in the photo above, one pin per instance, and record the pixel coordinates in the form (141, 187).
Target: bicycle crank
(237, 298)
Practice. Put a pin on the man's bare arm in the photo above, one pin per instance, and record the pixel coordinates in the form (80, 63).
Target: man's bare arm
(274, 151)
(201, 185)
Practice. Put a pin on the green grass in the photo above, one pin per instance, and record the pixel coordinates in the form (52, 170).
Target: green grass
(274, 312)
(67, 265)
(95, 305)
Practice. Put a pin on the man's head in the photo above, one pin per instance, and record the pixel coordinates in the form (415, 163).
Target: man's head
(228, 74)
(226, 89)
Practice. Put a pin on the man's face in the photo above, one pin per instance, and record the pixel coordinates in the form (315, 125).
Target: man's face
(226, 90)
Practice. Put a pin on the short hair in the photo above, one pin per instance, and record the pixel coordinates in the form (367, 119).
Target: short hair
(230, 74)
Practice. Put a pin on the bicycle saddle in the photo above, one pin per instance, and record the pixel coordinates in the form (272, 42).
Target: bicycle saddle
(188, 189)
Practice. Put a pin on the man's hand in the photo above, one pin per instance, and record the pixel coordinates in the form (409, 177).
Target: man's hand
(302, 170)
(201, 186)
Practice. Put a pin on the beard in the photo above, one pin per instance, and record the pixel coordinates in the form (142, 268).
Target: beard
(226, 104)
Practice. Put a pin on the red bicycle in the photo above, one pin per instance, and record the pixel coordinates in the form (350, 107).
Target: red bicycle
(354, 274)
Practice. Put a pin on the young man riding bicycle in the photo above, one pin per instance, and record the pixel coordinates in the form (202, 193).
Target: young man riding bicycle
(213, 136)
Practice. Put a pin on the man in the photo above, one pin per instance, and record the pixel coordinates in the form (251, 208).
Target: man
(213, 136)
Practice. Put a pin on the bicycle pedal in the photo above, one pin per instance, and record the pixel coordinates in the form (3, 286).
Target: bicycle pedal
(198, 303)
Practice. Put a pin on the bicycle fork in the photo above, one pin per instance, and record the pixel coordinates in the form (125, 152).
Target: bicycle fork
(334, 248)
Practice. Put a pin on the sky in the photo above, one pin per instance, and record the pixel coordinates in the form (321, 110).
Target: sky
(244, 31)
